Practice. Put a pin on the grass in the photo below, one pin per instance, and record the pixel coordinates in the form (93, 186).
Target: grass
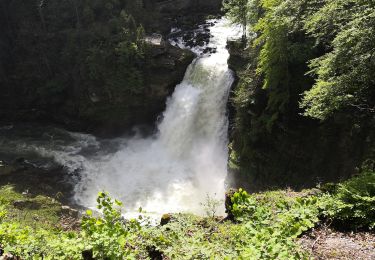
(38, 212)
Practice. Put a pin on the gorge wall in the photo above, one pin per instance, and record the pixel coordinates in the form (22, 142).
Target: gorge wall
(84, 64)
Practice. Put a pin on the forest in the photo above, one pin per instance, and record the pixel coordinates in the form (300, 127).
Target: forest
(187, 129)
(305, 99)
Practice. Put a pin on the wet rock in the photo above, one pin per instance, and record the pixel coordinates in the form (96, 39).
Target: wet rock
(155, 39)
(6, 169)
(188, 36)
(165, 219)
(190, 43)
(209, 50)
(26, 193)
(19, 160)
(202, 38)
(68, 211)
(229, 204)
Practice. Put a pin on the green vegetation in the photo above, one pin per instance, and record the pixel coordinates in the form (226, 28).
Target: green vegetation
(352, 203)
(265, 226)
(32, 212)
(344, 80)
(108, 235)
(305, 99)
(304, 115)
(237, 11)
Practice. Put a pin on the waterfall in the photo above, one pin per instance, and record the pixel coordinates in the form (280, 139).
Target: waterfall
(186, 160)
(172, 171)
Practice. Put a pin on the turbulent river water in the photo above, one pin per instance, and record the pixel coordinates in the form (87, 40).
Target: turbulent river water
(172, 171)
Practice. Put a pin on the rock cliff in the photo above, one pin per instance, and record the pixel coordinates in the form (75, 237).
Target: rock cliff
(73, 63)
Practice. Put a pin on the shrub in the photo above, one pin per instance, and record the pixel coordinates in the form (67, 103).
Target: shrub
(352, 203)
(242, 205)
(109, 233)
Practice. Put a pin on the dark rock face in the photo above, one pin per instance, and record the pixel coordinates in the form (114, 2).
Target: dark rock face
(163, 69)
(175, 6)
(196, 38)
(184, 14)
(55, 84)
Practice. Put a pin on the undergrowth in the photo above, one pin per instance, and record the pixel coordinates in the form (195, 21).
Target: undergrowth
(264, 226)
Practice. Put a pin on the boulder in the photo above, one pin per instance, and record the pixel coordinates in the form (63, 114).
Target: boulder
(6, 169)
(8, 256)
(68, 211)
(165, 219)
(229, 204)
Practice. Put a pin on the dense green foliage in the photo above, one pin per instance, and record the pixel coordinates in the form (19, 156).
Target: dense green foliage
(345, 81)
(352, 203)
(304, 101)
(108, 234)
(266, 226)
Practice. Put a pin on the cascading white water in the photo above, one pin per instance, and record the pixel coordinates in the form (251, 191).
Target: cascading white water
(172, 171)
(175, 170)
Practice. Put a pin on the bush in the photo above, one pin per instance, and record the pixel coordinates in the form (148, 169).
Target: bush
(352, 203)
(109, 233)
(270, 223)
(242, 205)
(107, 236)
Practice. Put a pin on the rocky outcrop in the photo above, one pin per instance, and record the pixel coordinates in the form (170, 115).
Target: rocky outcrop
(184, 14)
(162, 70)
(56, 71)
(178, 6)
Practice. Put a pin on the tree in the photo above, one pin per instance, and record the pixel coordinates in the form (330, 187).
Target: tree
(345, 75)
(237, 12)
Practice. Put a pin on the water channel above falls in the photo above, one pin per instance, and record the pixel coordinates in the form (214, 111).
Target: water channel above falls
(172, 171)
